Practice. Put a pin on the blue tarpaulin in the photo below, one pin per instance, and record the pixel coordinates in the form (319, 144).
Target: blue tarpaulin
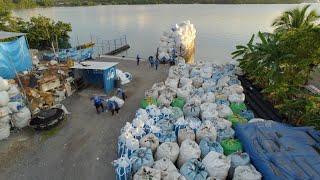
(280, 151)
(72, 53)
(14, 56)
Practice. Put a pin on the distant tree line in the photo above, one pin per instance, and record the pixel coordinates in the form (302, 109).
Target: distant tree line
(23, 4)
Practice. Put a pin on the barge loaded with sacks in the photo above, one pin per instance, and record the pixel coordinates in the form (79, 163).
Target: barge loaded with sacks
(196, 126)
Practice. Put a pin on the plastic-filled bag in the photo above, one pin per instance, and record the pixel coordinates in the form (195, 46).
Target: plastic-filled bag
(152, 93)
(189, 149)
(166, 113)
(4, 111)
(122, 168)
(138, 122)
(164, 165)
(246, 173)
(168, 136)
(21, 119)
(238, 159)
(138, 132)
(5, 119)
(191, 110)
(172, 175)
(4, 131)
(181, 123)
(206, 130)
(194, 170)
(4, 98)
(4, 85)
(173, 83)
(15, 106)
(186, 133)
(208, 107)
(235, 119)
(178, 102)
(231, 146)
(165, 100)
(197, 81)
(206, 145)
(184, 92)
(141, 157)
(224, 111)
(127, 145)
(208, 97)
(169, 150)
(209, 86)
(217, 165)
(221, 123)
(146, 173)
(184, 82)
(209, 115)
(237, 107)
(248, 114)
(193, 122)
(225, 133)
(197, 92)
(119, 101)
(236, 98)
(150, 141)
(223, 82)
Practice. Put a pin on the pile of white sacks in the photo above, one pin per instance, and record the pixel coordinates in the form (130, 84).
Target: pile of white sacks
(125, 77)
(169, 143)
(181, 37)
(13, 111)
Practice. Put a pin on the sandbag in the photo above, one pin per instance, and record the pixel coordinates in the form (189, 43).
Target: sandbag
(238, 159)
(168, 136)
(141, 157)
(184, 134)
(211, 107)
(146, 173)
(194, 100)
(4, 98)
(138, 122)
(189, 149)
(223, 82)
(231, 146)
(221, 123)
(246, 173)
(197, 81)
(236, 98)
(194, 170)
(181, 123)
(237, 107)
(236, 119)
(169, 150)
(209, 115)
(194, 123)
(122, 168)
(138, 132)
(164, 165)
(206, 145)
(4, 85)
(4, 131)
(150, 141)
(197, 92)
(165, 100)
(173, 83)
(166, 113)
(172, 175)
(224, 111)
(217, 165)
(184, 82)
(148, 101)
(206, 130)
(4, 111)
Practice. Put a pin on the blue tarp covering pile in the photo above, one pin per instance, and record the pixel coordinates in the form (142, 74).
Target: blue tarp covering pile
(72, 53)
(281, 151)
(14, 55)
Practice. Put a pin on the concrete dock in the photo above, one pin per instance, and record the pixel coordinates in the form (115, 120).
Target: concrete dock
(83, 146)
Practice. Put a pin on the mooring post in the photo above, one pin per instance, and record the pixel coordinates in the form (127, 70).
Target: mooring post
(115, 44)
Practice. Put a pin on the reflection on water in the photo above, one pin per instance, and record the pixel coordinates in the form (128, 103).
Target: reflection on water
(219, 27)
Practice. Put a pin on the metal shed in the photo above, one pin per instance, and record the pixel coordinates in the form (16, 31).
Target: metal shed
(98, 73)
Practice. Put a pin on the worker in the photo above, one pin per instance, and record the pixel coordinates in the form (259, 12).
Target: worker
(151, 61)
(122, 94)
(157, 63)
(138, 60)
(98, 103)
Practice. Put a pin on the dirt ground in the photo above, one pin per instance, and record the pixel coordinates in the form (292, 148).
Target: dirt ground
(83, 146)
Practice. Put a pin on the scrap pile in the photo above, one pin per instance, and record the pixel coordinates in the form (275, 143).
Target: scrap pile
(13, 112)
(184, 128)
(178, 41)
(48, 84)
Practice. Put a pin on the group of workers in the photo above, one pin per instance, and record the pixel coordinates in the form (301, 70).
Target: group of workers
(154, 63)
(111, 105)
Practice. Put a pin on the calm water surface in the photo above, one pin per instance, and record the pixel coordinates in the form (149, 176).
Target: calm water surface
(219, 27)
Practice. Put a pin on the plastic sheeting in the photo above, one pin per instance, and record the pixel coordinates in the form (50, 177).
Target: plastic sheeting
(14, 56)
(280, 151)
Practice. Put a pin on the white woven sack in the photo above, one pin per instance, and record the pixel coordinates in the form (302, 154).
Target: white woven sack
(189, 149)
(217, 165)
(169, 150)
(246, 173)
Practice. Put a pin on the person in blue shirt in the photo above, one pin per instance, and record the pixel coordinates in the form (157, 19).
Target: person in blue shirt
(98, 103)
(122, 94)
(113, 106)
(151, 61)
(138, 60)
(156, 63)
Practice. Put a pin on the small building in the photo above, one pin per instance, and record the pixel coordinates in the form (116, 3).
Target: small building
(102, 74)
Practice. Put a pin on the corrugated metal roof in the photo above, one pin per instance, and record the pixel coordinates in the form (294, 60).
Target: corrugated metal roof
(6, 35)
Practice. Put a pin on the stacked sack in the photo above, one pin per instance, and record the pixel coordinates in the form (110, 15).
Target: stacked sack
(125, 77)
(178, 40)
(13, 111)
(189, 133)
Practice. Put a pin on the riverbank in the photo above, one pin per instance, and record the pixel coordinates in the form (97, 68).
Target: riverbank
(83, 146)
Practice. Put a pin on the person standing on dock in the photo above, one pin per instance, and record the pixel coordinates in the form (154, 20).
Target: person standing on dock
(157, 63)
(138, 60)
(122, 94)
(151, 61)
(98, 103)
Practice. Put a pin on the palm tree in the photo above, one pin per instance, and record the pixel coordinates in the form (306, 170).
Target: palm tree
(296, 18)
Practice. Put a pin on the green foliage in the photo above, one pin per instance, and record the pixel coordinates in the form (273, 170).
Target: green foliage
(281, 63)
(295, 18)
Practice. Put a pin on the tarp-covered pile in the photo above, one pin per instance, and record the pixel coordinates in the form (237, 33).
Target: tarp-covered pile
(280, 151)
(178, 41)
(183, 129)
(13, 112)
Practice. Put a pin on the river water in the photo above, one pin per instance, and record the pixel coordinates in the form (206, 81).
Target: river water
(219, 27)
